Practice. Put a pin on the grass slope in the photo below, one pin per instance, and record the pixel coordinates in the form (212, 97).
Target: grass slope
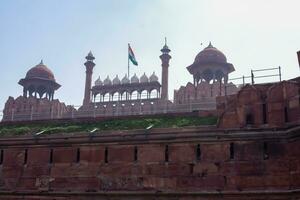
(115, 124)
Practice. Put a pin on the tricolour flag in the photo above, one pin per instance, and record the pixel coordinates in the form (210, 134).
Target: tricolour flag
(131, 56)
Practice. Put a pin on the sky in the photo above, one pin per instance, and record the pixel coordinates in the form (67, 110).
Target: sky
(253, 34)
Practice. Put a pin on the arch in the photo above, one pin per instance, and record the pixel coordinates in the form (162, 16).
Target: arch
(134, 95)
(31, 90)
(106, 97)
(124, 95)
(207, 75)
(115, 96)
(153, 94)
(41, 90)
(219, 75)
(144, 94)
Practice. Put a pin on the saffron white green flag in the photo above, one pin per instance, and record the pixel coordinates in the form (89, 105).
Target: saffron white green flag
(131, 56)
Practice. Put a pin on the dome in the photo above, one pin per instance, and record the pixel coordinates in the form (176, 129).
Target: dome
(135, 79)
(98, 81)
(144, 78)
(125, 80)
(153, 77)
(107, 81)
(40, 71)
(116, 80)
(210, 55)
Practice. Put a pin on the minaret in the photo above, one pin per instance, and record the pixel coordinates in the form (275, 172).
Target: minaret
(89, 65)
(165, 58)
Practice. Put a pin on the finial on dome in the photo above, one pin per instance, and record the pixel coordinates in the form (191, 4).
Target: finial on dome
(165, 41)
(41, 63)
(210, 45)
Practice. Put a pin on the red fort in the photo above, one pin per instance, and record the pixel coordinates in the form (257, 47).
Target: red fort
(252, 152)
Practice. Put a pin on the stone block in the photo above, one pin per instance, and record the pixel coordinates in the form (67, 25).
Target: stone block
(38, 156)
(215, 152)
(120, 153)
(92, 154)
(151, 153)
(64, 154)
(13, 157)
(182, 153)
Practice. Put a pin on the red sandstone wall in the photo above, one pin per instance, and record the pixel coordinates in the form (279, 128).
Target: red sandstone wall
(281, 101)
(215, 171)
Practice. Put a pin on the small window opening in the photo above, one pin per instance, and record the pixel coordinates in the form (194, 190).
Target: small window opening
(249, 119)
(264, 110)
(231, 149)
(286, 114)
(1, 156)
(198, 152)
(106, 155)
(78, 155)
(191, 165)
(51, 156)
(135, 154)
(266, 151)
(25, 156)
(167, 153)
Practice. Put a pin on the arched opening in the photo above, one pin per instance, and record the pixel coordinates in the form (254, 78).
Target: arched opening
(31, 90)
(207, 75)
(41, 91)
(144, 94)
(134, 95)
(123, 96)
(219, 75)
(106, 97)
(115, 96)
(153, 94)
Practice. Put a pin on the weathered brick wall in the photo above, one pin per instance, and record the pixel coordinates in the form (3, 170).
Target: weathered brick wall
(261, 105)
(217, 163)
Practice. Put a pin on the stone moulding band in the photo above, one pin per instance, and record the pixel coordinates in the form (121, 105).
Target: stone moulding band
(244, 194)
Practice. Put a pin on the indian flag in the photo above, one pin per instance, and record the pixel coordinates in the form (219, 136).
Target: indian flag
(131, 56)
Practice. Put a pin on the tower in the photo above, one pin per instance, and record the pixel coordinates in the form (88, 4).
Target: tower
(89, 65)
(165, 58)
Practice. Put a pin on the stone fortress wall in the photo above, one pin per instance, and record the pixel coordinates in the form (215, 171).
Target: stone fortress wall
(189, 163)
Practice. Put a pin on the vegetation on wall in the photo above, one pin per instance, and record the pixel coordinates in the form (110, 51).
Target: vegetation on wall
(113, 124)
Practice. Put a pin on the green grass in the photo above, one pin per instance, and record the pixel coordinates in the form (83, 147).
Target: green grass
(116, 124)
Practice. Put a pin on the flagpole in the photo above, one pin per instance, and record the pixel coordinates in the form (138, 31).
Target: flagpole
(128, 60)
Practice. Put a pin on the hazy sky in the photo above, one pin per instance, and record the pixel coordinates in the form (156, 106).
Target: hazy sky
(252, 34)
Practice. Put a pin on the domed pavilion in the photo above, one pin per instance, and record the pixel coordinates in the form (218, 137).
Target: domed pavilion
(210, 65)
(39, 82)
(210, 71)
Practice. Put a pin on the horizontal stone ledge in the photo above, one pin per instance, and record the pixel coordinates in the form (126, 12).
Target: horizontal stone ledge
(249, 193)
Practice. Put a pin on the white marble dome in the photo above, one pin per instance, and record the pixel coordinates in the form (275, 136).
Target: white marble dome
(107, 81)
(98, 82)
(135, 79)
(125, 80)
(144, 78)
(153, 77)
(116, 80)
